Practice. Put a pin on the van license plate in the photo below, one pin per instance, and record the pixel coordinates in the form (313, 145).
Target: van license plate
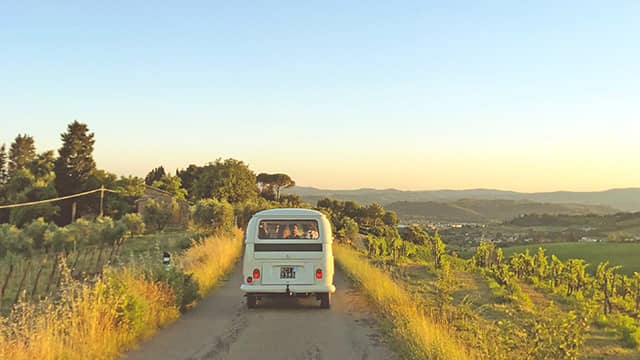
(287, 272)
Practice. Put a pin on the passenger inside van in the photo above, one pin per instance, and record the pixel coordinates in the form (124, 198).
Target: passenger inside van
(286, 233)
(311, 233)
(296, 233)
(263, 232)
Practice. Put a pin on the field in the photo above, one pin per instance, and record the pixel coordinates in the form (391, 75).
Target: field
(626, 255)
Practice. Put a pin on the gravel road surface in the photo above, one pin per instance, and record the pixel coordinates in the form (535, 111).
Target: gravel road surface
(221, 327)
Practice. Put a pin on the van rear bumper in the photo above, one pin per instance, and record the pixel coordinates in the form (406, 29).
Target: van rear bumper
(282, 289)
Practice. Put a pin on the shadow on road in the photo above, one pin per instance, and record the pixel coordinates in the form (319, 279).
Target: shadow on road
(289, 303)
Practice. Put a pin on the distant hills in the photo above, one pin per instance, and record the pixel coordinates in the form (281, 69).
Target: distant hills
(618, 199)
(476, 210)
(482, 205)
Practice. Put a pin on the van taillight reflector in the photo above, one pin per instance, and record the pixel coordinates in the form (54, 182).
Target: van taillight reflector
(319, 274)
(249, 279)
(256, 274)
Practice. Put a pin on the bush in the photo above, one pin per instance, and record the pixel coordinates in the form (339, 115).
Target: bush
(109, 232)
(348, 229)
(184, 286)
(59, 239)
(133, 223)
(158, 216)
(82, 232)
(13, 240)
(36, 231)
(625, 326)
(213, 214)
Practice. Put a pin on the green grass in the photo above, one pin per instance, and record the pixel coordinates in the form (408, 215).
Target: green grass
(626, 255)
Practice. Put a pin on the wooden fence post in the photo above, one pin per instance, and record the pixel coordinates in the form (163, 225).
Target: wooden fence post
(120, 244)
(73, 267)
(35, 285)
(90, 262)
(98, 269)
(84, 260)
(112, 252)
(24, 276)
(52, 274)
(6, 282)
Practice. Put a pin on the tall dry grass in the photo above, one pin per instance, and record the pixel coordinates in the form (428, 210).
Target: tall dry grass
(89, 321)
(424, 336)
(111, 314)
(210, 259)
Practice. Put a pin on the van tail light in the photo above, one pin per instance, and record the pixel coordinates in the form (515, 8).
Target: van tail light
(249, 279)
(256, 274)
(319, 274)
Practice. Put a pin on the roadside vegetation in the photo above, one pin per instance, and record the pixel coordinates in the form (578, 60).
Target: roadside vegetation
(423, 335)
(210, 259)
(100, 319)
(524, 306)
(83, 277)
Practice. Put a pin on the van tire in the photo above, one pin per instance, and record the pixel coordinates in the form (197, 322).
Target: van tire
(325, 300)
(251, 301)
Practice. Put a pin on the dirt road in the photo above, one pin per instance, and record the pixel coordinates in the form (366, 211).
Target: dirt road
(221, 327)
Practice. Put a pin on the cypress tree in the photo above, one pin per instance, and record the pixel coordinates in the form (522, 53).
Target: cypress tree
(74, 165)
(3, 164)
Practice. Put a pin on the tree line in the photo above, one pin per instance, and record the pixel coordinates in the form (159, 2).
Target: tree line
(27, 176)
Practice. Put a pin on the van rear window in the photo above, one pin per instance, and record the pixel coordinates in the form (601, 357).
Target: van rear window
(288, 229)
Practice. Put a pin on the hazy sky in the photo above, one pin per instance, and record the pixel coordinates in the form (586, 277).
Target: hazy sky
(410, 95)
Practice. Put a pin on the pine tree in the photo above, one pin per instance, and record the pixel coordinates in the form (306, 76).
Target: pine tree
(21, 153)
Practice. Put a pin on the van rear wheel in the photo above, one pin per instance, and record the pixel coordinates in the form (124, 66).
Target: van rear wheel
(251, 301)
(325, 300)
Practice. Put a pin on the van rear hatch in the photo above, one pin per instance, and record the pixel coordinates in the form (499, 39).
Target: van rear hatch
(288, 262)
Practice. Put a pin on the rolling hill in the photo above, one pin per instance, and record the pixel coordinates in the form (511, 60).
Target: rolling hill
(474, 210)
(619, 199)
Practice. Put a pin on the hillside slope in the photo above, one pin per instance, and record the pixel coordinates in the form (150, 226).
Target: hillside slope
(473, 210)
(621, 199)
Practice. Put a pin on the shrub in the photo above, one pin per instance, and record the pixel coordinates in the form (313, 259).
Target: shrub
(158, 216)
(59, 239)
(183, 285)
(625, 326)
(14, 240)
(36, 231)
(213, 214)
(133, 224)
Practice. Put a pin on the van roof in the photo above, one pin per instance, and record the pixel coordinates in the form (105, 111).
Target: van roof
(288, 212)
